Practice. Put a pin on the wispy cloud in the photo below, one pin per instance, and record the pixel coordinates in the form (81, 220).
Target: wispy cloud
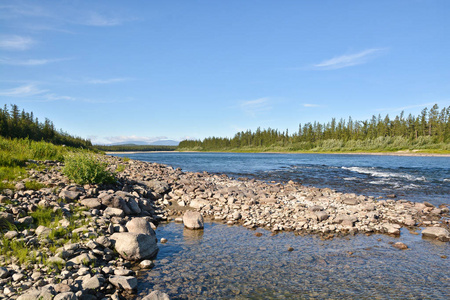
(311, 105)
(30, 62)
(107, 81)
(15, 42)
(396, 109)
(253, 107)
(96, 19)
(134, 138)
(344, 61)
(22, 91)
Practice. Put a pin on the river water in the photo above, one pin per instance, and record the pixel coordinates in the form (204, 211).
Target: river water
(231, 262)
(414, 178)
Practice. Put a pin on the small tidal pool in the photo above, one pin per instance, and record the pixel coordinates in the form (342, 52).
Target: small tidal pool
(232, 262)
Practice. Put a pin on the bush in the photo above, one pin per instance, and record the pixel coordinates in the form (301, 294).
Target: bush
(86, 168)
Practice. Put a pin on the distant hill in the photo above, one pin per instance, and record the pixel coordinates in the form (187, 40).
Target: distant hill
(142, 143)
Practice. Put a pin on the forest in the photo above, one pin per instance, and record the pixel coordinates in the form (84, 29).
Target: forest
(430, 130)
(23, 125)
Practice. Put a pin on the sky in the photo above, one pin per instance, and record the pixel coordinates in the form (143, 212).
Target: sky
(118, 71)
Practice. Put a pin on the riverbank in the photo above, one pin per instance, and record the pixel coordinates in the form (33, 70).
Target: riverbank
(86, 264)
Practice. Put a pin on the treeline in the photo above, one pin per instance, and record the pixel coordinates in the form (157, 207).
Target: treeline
(20, 124)
(124, 148)
(430, 129)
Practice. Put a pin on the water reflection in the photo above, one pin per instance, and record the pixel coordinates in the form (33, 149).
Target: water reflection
(222, 262)
(192, 236)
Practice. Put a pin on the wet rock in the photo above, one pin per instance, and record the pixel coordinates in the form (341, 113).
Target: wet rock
(135, 246)
(439, 233)
(400, 245)
(146, 264)
(124, 282)
(156, 295)
(193, 220)
(392, 228)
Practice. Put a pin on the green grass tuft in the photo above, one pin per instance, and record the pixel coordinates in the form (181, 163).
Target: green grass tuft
(86, 168)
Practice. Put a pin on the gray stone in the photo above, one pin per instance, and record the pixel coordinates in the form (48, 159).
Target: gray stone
(351, 201)
(11, 234)
(236, 215)
(135, 246)
(93, 283)
(321, 215)
(69, 195)
(139, 225)
(193, 220)
(159, 187)
(145, 264)
(157, 295)
(439, 233)
(83, 258)
(43, 231)
(392, 228)
(4, 273)
(114, 212)
(91, 203)
(65, 296)
(124, 282)
(134, 206)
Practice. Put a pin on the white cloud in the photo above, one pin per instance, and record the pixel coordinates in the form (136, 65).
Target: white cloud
(133, 138)
(349, 60)
(15, 42)
(95, 19)
(29, 62)
(22, 91)
(253, 107)
(310, 105)
(396, 109)
(106, 81)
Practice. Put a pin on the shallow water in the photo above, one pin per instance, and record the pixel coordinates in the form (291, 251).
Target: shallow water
(411, 178)
(223, 262)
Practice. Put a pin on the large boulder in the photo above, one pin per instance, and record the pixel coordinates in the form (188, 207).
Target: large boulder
(140, 225)
(135, 246)
(193, 220)
(439, 233)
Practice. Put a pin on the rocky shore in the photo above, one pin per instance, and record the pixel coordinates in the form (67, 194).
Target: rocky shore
(114, 236)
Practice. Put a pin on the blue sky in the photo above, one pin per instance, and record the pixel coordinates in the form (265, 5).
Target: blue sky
(114, 71)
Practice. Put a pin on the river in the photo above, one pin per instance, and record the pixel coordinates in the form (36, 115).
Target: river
(232, 262)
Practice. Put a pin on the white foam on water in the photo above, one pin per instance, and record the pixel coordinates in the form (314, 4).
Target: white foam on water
(446, 180)
(350, 178)
(378, 173)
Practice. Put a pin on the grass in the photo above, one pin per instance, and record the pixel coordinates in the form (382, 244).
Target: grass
(45, 216)
(86, 168)
(17, 251)
(34, 185)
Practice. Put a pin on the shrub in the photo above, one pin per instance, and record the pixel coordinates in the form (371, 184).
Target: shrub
(86, 168)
